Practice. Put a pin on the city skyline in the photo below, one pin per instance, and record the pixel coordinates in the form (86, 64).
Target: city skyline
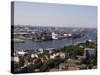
(58, 15)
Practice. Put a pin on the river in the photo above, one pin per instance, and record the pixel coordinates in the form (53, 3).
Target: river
(29, 44)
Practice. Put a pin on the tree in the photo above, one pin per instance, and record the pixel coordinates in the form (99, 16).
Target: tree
(50, 64)
(73, 50)
(21, 61)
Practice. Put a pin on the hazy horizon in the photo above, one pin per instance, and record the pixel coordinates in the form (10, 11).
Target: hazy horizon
(56, 15)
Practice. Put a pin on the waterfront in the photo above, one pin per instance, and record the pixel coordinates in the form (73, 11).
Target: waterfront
(53, 37)
(30, 44)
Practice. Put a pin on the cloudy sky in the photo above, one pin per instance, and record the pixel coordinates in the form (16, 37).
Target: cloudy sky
(46, 14)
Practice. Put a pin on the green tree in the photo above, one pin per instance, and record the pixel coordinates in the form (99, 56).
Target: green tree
(73, 50)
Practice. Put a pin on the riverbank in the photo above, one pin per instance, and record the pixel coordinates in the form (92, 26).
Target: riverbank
(18, 40)
(67, 58)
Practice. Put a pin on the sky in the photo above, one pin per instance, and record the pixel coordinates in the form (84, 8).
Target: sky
(60, 15)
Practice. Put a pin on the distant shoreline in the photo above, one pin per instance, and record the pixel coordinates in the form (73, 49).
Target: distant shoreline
(54, 26)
